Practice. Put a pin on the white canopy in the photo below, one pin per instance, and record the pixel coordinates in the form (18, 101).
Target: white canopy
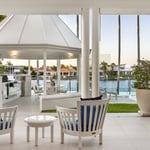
(27, 36)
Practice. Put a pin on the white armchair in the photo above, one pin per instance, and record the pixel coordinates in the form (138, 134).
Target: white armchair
(86, 120)
(7, 121)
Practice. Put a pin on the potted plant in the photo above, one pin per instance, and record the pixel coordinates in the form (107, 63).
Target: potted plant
(141, 74)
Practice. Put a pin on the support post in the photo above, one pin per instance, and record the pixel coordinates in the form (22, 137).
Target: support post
(58, 73)
(119, 53)
(1, 92)
(45, 57)
(138, 39)
(37, 76)
(79, 74)
(29, 72)
(95, 52)
(85, 53)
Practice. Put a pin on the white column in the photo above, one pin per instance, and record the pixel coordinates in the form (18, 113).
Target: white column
(85, 53)
(79, 74)
(44, 63)
(29, 72)
(37, 65)
(95, 51)
(1, 91)
(58, 72)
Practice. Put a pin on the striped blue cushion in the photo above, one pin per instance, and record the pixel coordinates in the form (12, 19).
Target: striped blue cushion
(88, 110)
(1, 125)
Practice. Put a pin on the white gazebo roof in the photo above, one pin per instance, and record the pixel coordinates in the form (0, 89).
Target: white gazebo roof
(27, 36)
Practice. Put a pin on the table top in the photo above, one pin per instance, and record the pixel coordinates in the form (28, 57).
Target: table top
(40, 120)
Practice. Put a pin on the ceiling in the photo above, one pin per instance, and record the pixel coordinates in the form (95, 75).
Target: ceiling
(74, 6)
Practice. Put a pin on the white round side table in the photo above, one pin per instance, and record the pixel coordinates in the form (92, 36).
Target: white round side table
(39, 121)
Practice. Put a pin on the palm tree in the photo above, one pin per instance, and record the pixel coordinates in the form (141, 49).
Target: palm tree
(111, 73)
(112, 65)
(9, 63)
(54, 68)
(1, 62)
(104, 67)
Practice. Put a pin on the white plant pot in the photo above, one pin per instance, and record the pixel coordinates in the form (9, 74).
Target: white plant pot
(143, 100)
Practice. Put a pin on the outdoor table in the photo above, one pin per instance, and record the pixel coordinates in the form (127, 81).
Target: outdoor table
(39, 121)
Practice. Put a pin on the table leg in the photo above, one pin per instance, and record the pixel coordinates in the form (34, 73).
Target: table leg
(52, 134)
(36, 136)
(43, 132)
(28, 133)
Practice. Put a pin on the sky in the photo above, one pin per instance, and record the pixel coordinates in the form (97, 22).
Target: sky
(109, 38)
(33, 63)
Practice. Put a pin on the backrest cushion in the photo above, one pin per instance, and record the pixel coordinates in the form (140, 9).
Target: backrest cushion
(92, 98)
(88, 112)
(87, 116)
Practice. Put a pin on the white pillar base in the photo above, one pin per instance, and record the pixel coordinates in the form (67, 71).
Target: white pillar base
(144, 114)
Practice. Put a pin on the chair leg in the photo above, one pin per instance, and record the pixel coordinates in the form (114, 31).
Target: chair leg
(100, 138)
(80, 143)
(62, 136)
(11, 137)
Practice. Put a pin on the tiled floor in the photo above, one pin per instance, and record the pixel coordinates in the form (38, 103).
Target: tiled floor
(121, 132)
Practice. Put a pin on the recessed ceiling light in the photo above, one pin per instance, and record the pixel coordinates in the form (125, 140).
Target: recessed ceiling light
(14, 53)
(70, 55)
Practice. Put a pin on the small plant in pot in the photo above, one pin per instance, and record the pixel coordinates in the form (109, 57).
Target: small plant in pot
(141, 74)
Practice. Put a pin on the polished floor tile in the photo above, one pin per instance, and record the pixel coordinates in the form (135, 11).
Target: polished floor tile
(121, 132)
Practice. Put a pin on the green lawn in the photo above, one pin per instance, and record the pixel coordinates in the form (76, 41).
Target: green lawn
(123, 108)
(115, 108)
